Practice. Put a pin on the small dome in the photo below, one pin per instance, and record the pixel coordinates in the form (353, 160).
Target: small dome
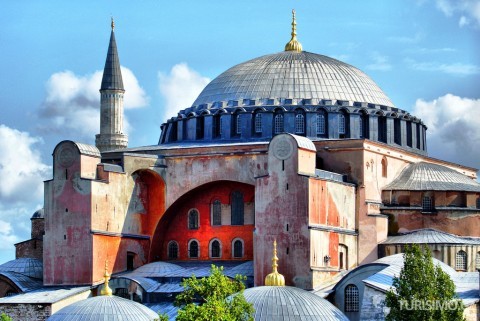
(157, 269)
(290, 303)
(424, 176)
(38, 214)
(100, 308)
(296, 75)
(26, 266)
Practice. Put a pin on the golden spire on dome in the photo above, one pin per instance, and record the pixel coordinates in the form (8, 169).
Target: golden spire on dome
(106, 289)
(293, 44)
(275, 278)
(112, 24)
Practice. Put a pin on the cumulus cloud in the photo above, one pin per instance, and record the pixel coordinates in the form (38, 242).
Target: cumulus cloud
(453, 128)
(380, 62)
(456, 68)
(72, 102)
(467, 10)
(180, 87)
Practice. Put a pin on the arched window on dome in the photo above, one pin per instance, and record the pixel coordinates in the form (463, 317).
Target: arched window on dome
(300, 122)
(193, 249)
(409, 133)
(363, 125)
(397, 132)
(216, 212)
(215, 249)
(257, 123)
(428, 203)
(461, 261)
(173, 131)
(172, 250)
(217, 126)
(418, 135)
(321, 123)
(382, 129)
(352, 298)
(343, 125)
(237, 246)
(200, 127)
(278, 122)
(193, 219)
(236, 125)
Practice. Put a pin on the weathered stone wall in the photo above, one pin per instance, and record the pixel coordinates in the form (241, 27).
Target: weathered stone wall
(27, 312)
(30, 249)
(373, 305)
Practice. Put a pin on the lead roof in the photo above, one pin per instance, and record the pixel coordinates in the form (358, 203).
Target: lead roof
(112, 75)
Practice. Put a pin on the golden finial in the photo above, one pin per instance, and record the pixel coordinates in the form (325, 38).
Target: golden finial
(293, 44)
(275, 278)
(106, 289)
(112, 24)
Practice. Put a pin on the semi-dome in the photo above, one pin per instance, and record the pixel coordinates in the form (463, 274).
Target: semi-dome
(100, 308)
(293, 75)
(290, 303)
(26, 266)
(157, 269)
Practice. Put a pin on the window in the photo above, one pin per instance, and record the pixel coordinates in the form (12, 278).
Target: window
(341, 124)
(478, 202)
(216, 212)
(185, 129)
(200, 127)
(258, 123)
(217, 126)
(320, 124)
(351, 298)
(299, 122)
(172, 250)
(130, 260)
(409, 133)
(360, 125)
(122, 292)
(363, 126)
(397, 132)
(237, 249)
(10, 293)
(193, 249)
(384, 167)
(382, 129)
(477, 261)
(461, 260)
(215, 249)
(193, 219)
(278, 124)
(237, 208)
(427, 204)
(418, 136)
(236, 126)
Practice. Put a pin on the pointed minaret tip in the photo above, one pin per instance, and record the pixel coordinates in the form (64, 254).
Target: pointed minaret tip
(293, 44)
(106, 289)
(275, 278)
(112, 24)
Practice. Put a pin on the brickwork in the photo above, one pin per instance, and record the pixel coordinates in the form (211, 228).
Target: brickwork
(27, 312)
(32, 248)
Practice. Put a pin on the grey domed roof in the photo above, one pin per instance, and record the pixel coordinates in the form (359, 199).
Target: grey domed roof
(295, 75)
(26, 266)
(100, 308)
(424, 176)
(39, 214)
(157, 269)
(290, 303)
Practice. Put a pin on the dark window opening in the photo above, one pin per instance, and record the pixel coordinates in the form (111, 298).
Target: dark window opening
(217, 124)
(216, 212)
(237, 208)
(193, 220)
(130, 260)
(237, 249)
(215, 249)
(397, 132)
(200, 127)
(428, 204)
(351, 298)
(418, 136)
(193, 249)
(172, 250)
(409, 134)
(382, 129)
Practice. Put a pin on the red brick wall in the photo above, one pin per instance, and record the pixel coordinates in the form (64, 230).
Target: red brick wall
(30, 249)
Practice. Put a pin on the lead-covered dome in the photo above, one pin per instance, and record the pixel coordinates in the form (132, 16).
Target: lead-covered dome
(293, 75)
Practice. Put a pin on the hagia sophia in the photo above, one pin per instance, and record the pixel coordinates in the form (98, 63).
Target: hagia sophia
(293, 147)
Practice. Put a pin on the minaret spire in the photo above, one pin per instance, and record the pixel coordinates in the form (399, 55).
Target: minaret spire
(293, 44)
(111, 101)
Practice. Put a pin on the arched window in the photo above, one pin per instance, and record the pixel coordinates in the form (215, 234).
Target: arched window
(320, 124)
(278, 124)
(200, 127)
(237, 248)
(409, 133)
(477, 261)
(172, 250)
(217, 126)
(299, 122)
(341, 124)
(382, 129)
(216, 212)
(237, 208)
(193, 249)
(461, 261)
(363, 125)
(193, 219)
(384, 167)
(397, 132)
(428, 204)
(351, 298)
(258, 123)
(236, 126)
(215, 249)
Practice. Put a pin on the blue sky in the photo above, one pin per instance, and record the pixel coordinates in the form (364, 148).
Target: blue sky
(424, 54)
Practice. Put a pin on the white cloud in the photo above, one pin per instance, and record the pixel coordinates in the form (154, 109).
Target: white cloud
(467, 9)
(380, 62)
(71, 106)
(180, 87)
(407, 39)
(453, 128)
(458, 69)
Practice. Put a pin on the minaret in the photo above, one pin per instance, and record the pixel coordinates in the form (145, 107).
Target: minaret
(111, 102)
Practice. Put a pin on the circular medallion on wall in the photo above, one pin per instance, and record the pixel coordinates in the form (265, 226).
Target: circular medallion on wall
(66, 156)
(283, 148)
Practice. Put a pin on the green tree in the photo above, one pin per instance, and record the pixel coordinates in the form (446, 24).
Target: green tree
(216, 298)
(4, 317)
(423, 291)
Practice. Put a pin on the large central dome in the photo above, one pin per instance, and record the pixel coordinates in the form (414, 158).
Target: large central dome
(295, 75)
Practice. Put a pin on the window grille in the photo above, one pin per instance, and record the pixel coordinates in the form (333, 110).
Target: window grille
(360, 125)
(258, 123)
(461, 260)
(216, 212)
(427, 204)
(237, 208)
(172, 250)
(215, 252)
(193, 220)
(238, 249)
(320, 124)
(299, 124)
(278, 124)
(341, 124)
(351, 298)
(478, 202)
(193, 249)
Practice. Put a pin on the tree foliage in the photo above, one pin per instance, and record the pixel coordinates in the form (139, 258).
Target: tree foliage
(423, 291)
(216, 298)
(4, 317)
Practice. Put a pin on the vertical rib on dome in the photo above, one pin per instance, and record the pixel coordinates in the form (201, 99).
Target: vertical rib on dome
(112, 76)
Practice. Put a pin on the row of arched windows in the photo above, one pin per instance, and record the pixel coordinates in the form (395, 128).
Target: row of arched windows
(214, 249)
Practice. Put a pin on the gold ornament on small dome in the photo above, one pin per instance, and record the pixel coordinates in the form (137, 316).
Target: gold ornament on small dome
(293, 44)
(106, 289)
(275, 278)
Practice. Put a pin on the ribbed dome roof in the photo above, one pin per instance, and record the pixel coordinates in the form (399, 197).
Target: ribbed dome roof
(295, 75)
(39, 214)
(290, 303)
(26, 266)
(157, 269)
(101, 308)
(424, 176)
